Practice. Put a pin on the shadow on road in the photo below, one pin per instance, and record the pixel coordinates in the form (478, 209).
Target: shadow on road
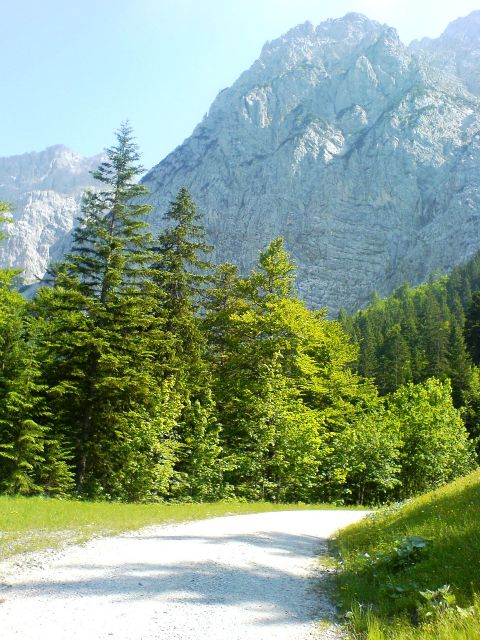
(286, 595)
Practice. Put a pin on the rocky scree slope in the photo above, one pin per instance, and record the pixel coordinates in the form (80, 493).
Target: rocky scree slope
(361, 152)
(45, 190)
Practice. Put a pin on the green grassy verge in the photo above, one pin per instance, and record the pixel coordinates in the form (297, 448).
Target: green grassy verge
(414, 572)
(33, 524)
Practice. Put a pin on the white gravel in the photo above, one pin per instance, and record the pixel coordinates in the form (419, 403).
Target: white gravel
(251, 577)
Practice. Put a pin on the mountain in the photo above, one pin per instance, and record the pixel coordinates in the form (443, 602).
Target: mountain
(360, 151)
(457, 51)
(45, 190)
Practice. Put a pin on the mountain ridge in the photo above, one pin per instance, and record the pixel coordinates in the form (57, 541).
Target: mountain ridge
(316, 129)
(359, 150)
(45, 188)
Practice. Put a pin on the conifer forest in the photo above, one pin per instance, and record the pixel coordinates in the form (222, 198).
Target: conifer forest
(140, 371)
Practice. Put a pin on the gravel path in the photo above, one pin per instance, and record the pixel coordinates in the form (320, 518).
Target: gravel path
(251, 577)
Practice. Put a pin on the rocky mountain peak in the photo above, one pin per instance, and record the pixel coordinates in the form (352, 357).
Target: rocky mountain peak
(352, 26)
(466, 29)
(456, 53)
(333, 38)
(341, 140)
(45, 189)
(361, 152)
(56, 167)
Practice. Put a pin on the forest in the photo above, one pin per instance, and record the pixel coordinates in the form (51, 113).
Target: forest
(141, 372)
(429, 331)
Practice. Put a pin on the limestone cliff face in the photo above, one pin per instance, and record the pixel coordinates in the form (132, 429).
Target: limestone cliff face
(45, 190)
(457, 51)
(362, 153)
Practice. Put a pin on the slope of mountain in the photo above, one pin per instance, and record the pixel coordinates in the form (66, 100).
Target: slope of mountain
(363, 153)
(456, 51)
(356, 149)
(45, 190)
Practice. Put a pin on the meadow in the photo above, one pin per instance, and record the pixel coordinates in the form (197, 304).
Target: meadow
(412, 571)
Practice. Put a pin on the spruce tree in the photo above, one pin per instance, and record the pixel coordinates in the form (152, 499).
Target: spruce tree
(395, 361)
(472, 328)
(368, 364)
(107, 389)
(458, 361)
(182, 273)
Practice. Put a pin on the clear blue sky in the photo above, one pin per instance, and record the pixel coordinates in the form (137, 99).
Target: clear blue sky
(72, 70)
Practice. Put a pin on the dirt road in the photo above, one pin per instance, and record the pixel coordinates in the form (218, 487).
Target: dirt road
(250, 577)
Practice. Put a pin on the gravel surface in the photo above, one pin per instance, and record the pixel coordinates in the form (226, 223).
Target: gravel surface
(249, 577)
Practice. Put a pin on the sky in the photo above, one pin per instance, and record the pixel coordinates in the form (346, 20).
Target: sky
(72, 70)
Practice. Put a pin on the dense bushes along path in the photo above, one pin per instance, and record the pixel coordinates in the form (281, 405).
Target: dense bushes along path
(237, 577)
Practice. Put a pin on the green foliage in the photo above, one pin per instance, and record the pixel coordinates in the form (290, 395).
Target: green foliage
(459, 363)
(417, 333)
(435, 447)
(197, 474)
(181, 273)
(259, 336)
(471, 403)
(472, 327)
(282, 382)
(100, 332)
(408, 551)
(364, 464)
(411, 571)
(429, 331)
(32, 461)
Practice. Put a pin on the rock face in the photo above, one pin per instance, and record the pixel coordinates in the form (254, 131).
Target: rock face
(361, 152)
(45, 190)
(457, 51)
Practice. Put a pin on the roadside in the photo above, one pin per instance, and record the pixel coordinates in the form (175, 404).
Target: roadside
(35, 524)
(411, 571)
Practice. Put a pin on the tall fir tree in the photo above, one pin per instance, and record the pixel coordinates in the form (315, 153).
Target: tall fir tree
(459, 362)
(395, 361)
(472, 327)
(182, 272)
(107, 389)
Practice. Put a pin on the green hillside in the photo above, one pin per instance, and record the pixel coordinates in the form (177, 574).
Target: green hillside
(417, 333)
(413, 571)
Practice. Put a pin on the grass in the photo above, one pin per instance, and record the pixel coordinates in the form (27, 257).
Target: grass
(396, 566)
(35, 524)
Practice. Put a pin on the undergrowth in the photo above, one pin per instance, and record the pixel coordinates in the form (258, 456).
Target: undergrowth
(411, 571)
